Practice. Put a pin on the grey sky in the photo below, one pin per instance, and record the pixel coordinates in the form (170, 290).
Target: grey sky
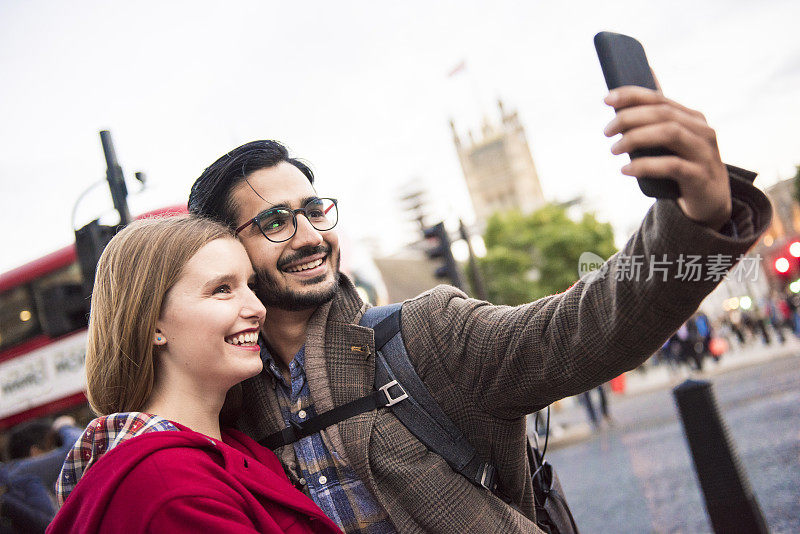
(360, 90)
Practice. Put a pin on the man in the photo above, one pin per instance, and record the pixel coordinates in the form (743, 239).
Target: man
(487, 366)
(33, 450)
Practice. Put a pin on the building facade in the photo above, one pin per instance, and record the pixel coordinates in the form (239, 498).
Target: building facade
(498, 167)
(757, 276)
(786, 214)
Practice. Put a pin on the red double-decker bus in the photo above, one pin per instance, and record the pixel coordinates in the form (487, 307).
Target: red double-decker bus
(43, 336)
(40, 370)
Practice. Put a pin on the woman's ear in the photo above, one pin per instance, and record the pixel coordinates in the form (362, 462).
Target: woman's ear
(159, 339)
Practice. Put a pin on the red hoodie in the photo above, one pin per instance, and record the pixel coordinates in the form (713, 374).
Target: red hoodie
(187, 482)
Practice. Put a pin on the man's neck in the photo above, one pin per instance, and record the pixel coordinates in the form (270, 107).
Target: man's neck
(285, 332)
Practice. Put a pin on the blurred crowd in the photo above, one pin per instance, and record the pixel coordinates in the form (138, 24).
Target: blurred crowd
(32, 457)
(771, 320)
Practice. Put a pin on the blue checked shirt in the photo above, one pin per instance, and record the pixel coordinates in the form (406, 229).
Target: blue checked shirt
(329, 482)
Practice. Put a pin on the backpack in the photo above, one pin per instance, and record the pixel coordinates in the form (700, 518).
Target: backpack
(399, 388)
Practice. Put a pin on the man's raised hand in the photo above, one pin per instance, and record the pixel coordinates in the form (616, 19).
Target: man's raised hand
(647, 119)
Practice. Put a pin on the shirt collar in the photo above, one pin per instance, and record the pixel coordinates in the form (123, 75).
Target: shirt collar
(296, 367)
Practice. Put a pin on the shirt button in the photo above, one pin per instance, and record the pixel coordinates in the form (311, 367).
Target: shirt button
(323, 479)
(302, 481)
(301, 414)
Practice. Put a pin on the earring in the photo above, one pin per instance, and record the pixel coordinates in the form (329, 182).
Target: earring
(159, 338)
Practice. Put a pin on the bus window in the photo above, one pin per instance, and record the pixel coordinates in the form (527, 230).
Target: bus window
(18, 318)
(59, 298)
(71, 274)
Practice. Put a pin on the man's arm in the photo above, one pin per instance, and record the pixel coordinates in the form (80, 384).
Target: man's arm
(512, 361)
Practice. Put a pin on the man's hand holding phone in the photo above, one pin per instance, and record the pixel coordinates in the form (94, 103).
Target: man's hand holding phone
(647, 119)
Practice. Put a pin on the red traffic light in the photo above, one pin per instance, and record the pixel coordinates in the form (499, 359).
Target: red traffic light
(782, 265)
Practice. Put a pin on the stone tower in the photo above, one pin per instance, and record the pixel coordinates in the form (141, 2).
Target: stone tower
(498, 167)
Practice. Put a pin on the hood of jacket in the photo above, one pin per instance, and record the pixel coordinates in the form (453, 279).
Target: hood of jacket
(241, 469)
(102, 435)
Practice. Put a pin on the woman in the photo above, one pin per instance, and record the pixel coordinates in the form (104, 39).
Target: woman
(173, 326)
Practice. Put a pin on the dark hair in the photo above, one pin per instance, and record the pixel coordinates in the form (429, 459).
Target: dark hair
(211, 193)
(25, 436)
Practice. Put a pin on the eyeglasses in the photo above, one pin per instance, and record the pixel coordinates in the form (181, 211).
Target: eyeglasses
(279, 224)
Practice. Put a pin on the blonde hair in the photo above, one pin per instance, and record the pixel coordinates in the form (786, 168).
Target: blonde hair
(134, 274)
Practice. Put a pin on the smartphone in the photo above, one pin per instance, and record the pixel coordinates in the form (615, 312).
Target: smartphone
(623, 62)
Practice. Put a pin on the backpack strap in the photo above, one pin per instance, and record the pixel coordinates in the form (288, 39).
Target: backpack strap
(386, 394)
(399, 388)
(420, 413)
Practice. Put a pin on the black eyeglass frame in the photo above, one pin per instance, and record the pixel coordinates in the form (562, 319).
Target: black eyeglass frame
(257, 219)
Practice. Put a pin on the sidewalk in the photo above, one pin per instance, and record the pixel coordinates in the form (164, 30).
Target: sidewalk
(569, 421)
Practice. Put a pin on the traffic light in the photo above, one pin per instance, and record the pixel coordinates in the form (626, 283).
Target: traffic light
(782, 265)
(794, 249)
(89, 244)
(440, 243)
(63, 308)
(91, 239)
(786, 266)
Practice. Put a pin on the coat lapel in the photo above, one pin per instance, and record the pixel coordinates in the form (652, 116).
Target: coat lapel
(260, 414)
(340, 367)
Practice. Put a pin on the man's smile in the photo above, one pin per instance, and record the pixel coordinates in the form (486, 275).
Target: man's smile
(305, 264)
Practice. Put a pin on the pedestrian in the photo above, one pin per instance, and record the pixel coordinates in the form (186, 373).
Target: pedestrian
(791, 302)
(754, 323)
(27, 479)
(735, 321)
(173, 326)
(38, 448)
(779, 315)
(704, 331)
(586, 399)
(486, 366)
(785, 312)
(25, 504)
(682, 348)
(667, 355)
(697, 343)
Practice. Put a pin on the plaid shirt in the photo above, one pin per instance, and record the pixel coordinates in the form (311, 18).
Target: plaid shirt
(324, 476)
(102, 435)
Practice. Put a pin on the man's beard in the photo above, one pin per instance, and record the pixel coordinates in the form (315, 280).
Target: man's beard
(271, 294)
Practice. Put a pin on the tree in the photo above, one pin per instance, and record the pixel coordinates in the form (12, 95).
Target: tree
(796, 184)
(532, 256)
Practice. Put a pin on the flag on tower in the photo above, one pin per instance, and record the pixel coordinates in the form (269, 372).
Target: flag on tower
(462, 66)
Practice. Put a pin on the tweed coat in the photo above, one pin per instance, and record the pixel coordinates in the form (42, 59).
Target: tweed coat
(488, 366)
